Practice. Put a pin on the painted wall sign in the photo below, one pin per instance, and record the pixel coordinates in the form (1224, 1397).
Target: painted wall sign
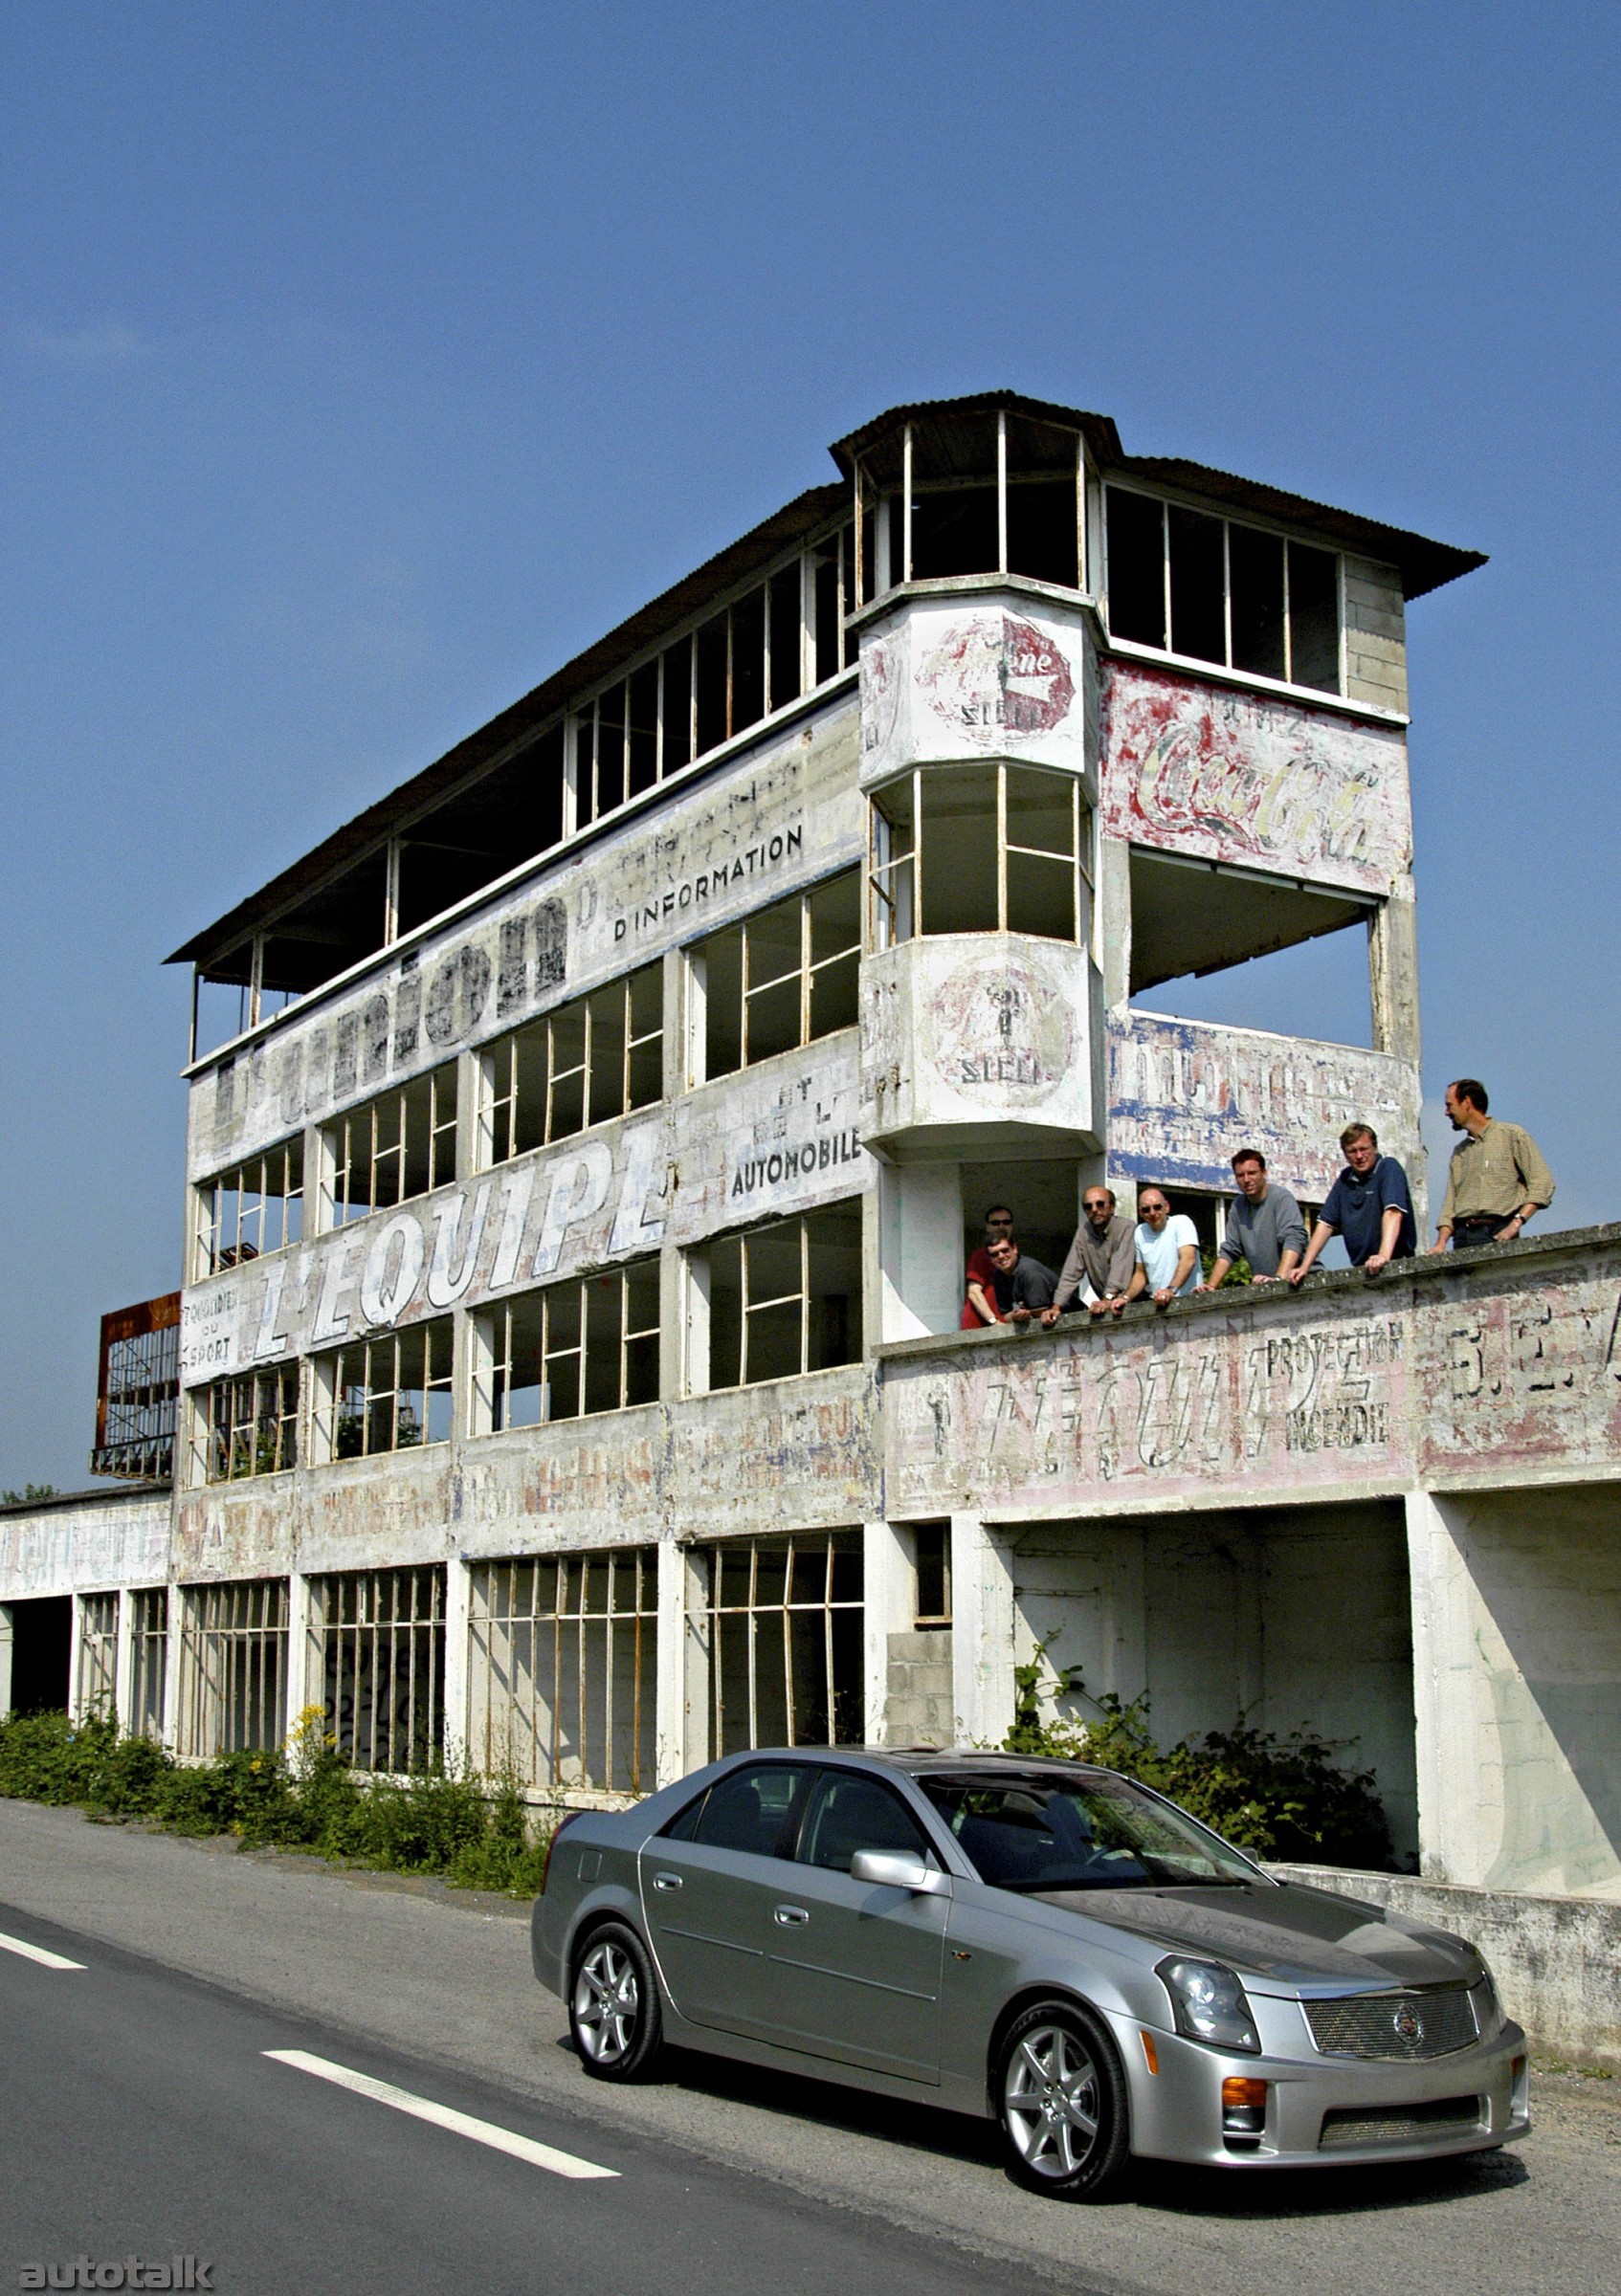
(946, 680)
(103, 1544)
(1184, 1095)
(1255, 781)
(776, 1140)
(778, 819)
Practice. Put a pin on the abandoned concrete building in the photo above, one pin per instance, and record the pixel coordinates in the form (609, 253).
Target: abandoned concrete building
(584, 1143)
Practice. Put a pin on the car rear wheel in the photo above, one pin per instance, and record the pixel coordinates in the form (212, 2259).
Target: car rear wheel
(1060, 2098)
(613, 2012)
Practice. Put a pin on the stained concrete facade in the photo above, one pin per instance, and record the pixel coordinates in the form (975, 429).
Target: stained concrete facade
(973, 802)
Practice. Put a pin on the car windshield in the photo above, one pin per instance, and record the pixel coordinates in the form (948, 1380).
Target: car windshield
(1046, 1831)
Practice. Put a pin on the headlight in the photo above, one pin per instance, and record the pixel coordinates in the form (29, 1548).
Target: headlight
(1209, 2004)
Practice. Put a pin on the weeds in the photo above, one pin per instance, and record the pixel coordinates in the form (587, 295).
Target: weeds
(301, 1796)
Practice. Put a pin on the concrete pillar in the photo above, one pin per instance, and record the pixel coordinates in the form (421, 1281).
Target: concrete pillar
(982, 1631)
(889, 1606)
(1392, 964)
(920, 1212)
(306, 1681)
(1114, 921)
(669, 1660)
(75, 1670)
(5, 1658)
(693, 1674)
(458, 1591)
(124, 1663)
(175, 1649)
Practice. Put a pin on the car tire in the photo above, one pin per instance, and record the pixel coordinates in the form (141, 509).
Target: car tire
(615, 2017)
(1061, 2102)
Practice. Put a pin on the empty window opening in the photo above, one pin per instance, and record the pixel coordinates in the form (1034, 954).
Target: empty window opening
(392, 1393)
(41, 1654)
(786, 1298)
(254, 1208)
(148, 1660)
(98, 1655)
(1043, 1194)
(564, 1669)
(512, 812)
(783, 977)
(785, 1640)
(970, 492)
(833, 576)
(1250, 952)
(573, 1349)
(233, 1667)
(587, 1063)
(380, 1646)
(249, 1425)
(933, 1549)
(1192, 584)
(401, 1144)
(980, 848)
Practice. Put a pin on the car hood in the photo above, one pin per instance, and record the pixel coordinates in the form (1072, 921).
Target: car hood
(1292, 1935)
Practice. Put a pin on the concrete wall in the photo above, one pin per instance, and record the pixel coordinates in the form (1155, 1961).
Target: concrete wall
(1516, 1602)
(1299, 1618)
(1375, 635)
(85, 1541)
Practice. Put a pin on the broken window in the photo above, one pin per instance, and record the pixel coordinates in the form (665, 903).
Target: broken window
(783, 977)
(98, 1655)
(575, 1348)
(981, 848)
(249, 1424)
(1192, 584)
(510, 814)
(254, 1208)
(784, 1299)
(832, 567)
(932, 1547)
(233, 1667)
(972, 491)
(399, 1145)
(785, 1618)
(392, 1393)
(380, 1648)
(587, 1061)
(563, 1672)
(148, 1660)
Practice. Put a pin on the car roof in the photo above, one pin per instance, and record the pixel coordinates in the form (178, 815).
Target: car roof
(936, 1761)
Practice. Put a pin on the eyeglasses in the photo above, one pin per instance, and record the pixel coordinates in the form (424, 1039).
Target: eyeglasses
(1096, 1204)
(997, 1221)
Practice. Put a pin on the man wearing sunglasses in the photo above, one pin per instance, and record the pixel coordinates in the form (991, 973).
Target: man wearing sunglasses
(980, 1306)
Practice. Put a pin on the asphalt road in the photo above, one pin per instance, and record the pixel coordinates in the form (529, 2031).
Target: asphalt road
(140, 2113)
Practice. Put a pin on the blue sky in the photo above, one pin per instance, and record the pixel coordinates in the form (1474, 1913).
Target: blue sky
(358, 365)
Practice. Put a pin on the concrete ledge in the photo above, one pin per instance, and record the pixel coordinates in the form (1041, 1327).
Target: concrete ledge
(1557, 1959)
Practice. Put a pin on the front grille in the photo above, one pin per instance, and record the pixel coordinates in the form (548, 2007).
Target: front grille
(1399, 2124)
(1399, 2028)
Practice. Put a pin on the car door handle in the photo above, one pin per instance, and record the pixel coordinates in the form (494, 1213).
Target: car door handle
(791, 1916)
(666, 1881)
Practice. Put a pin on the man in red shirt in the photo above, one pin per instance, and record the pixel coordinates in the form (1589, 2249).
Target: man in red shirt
(980, 1306)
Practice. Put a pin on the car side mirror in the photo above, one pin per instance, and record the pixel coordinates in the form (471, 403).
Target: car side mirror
(898, 1870)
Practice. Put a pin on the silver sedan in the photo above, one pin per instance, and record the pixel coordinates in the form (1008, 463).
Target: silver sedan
(1050, 1946)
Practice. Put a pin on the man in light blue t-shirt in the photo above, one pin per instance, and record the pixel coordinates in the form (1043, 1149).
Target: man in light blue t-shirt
(1168, 1251)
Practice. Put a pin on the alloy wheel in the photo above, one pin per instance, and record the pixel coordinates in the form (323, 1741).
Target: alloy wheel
(606, 2003)
(1052, 2101)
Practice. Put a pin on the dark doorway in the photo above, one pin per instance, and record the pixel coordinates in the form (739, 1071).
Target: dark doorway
(41, 1643)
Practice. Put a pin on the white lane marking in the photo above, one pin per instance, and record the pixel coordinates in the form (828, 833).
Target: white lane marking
(37, 1953)
(442, 2116)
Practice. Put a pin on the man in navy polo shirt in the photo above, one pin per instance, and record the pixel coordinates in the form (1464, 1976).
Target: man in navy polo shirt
(1368, 1204)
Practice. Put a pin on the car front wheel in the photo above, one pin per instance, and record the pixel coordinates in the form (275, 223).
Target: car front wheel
(613, 2012)
(1062, 2101)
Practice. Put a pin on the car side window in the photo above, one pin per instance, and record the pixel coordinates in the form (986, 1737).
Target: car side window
(848, 1812)
(747, 1809)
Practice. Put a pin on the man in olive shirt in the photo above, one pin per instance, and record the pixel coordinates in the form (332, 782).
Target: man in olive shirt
(1496, 1178)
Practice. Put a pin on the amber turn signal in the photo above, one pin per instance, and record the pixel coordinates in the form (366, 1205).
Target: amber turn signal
(1149, 2051)
(1238, 2094)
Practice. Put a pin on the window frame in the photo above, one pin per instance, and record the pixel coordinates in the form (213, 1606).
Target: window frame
(233, 1648)
(894, 915)
(331, 1388)
(499, 1097)
(339, 1139)
(753, 1611)
(809, 968)
(499, 1623)
(211, 1253)
(743, 1241)
(365, 1629)
(219, 1434)
(493, 1379)
(1227, 667)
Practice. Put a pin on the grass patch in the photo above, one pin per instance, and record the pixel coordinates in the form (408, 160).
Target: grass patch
(476, 1833)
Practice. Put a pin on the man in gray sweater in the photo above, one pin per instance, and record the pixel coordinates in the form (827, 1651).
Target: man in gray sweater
(1100, 1260)
(1265, 1226)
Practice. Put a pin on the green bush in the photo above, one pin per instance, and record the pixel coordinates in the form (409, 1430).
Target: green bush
(298, 1796)
(1274, 1796)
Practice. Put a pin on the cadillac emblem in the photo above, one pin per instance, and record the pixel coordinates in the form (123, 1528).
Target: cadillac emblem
(1409, 2024)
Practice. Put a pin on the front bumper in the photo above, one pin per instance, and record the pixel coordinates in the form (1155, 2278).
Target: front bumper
(1382, 2112)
